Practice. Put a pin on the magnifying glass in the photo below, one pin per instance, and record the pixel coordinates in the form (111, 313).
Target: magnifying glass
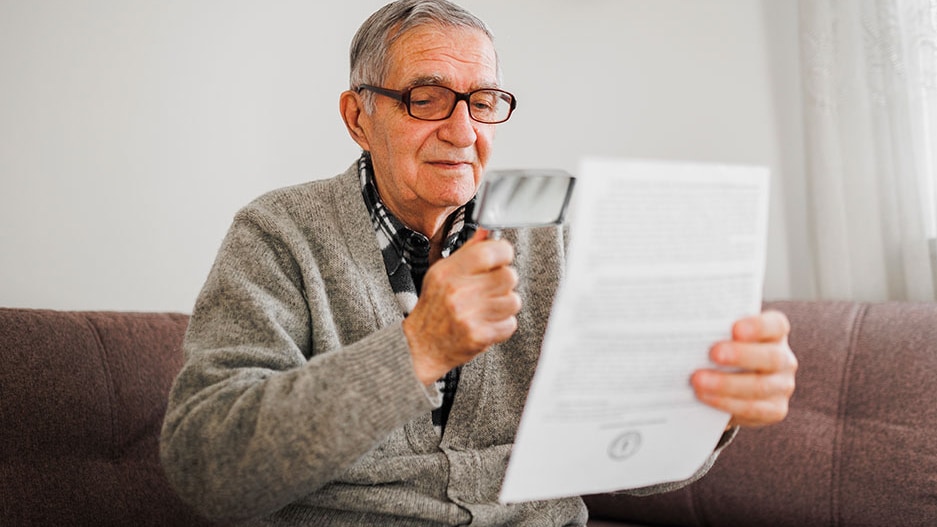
(509, 199)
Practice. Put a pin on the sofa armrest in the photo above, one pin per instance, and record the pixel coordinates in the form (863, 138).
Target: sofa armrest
(82, 397)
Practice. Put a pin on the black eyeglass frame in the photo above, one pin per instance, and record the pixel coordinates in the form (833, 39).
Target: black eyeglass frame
(404, 97)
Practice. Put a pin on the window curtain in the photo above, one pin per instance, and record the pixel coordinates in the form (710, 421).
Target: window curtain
(869, 73)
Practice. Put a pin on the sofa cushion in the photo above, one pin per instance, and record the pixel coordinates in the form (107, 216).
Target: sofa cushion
(82, 397)
(858, 447)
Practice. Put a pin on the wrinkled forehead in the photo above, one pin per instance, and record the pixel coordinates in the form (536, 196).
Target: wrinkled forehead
(438, 54)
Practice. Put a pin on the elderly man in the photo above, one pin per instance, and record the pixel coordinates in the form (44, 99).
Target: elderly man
(360, 352)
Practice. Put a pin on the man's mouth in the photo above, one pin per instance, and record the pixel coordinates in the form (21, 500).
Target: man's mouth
(451, 163)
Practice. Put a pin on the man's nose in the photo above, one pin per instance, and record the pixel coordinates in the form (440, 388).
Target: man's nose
(459, 128)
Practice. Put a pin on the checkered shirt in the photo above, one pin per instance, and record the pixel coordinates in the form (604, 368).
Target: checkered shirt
(406, 258)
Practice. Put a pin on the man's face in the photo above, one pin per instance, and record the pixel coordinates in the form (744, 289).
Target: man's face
(426, 169)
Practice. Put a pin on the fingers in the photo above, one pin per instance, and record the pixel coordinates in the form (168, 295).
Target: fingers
(759, 343)
(502, 280)
(480, 254)
(752, 399)
(761, 357)
(481, 265)
(467, 303)
(477, 301)
(767, 326)
(743, 385)
(751, 413)
(758, 378)
(482, 234)
(501, 305)
(492, 331)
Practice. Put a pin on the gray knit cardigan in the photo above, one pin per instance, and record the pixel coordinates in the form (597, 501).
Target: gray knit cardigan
(298, 403)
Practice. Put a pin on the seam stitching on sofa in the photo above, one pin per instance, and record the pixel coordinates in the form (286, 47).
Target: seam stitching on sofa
(855, 326)
(109, 379)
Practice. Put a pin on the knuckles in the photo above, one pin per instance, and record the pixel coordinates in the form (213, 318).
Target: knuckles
(489, 254)
(788, 385)
(776, 412)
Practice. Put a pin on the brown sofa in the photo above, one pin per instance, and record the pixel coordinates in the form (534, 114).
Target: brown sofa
(82, 396)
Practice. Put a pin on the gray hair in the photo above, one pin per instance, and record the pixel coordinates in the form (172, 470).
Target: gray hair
(371, 44)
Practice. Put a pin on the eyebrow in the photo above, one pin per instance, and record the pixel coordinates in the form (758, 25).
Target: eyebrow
(427, 79)
(440, 80)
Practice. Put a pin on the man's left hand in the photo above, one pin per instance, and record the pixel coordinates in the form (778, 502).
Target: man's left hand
(758, 380)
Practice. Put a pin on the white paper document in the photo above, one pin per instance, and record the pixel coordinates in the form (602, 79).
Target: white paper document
(664, 257)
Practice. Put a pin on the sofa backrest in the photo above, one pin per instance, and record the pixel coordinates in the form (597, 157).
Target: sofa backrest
(82, 397)
(859, 446)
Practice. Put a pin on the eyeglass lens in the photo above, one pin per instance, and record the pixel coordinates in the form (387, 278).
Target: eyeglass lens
(437, 102)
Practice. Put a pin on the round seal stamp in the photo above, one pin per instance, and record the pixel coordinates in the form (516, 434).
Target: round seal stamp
(625, 445)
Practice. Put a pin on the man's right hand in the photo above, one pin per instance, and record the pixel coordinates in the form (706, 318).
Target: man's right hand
(467, 303)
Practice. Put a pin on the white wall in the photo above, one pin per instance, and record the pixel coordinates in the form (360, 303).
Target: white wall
(132, 130)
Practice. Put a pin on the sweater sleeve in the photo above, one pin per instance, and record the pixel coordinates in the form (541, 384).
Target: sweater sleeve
(256, 419)
(724, 441)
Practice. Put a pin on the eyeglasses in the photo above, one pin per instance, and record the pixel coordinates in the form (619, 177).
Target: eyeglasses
(435, 103)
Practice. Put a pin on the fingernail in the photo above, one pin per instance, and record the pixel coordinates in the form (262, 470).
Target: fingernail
(724, 354)
(706, 381)
(746, 330)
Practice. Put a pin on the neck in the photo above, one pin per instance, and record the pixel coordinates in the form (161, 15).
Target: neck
(431, 226)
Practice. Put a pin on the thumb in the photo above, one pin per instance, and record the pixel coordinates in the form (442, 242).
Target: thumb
(481, 234)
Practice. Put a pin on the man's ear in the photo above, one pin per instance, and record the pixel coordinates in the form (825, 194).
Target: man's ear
(352, 108)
